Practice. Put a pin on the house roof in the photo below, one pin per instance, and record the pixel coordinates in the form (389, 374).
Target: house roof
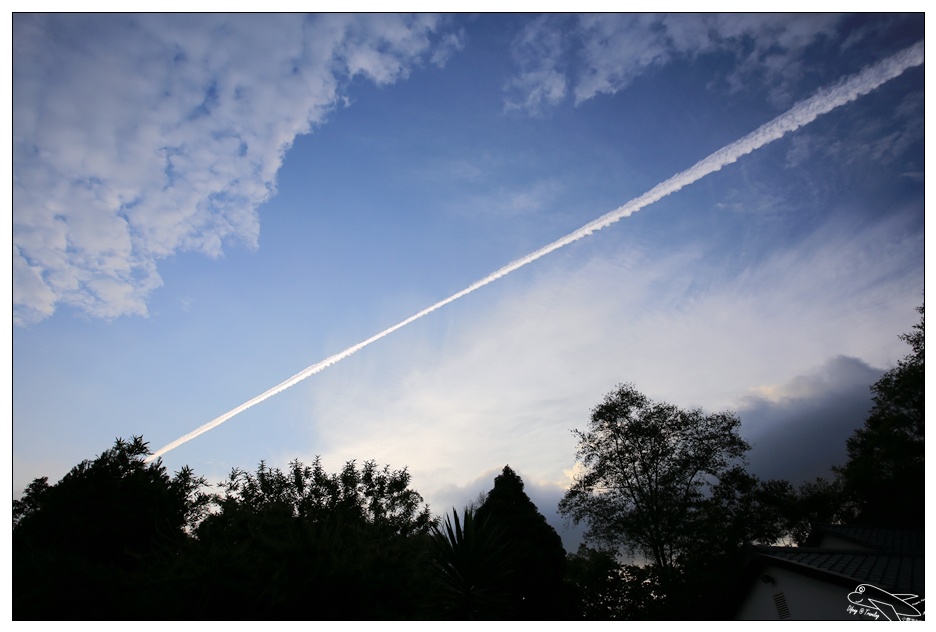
(894, 572)
(905, 541)
(892, 561)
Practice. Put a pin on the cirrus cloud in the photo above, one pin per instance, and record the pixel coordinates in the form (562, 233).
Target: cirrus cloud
(603, 54)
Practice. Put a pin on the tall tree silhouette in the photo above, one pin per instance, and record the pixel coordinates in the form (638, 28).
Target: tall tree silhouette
(537, 557)
(647, 466)
(885, 469)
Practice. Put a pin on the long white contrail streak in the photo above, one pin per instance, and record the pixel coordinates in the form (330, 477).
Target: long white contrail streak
(799, 115)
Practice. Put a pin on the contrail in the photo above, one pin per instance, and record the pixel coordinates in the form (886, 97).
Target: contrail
(799, 115)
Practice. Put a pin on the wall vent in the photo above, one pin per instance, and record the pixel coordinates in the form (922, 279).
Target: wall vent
(783, 610)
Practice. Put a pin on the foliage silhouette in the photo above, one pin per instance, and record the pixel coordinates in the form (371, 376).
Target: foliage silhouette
(118, 538)
(609, 590)
(819, 502)
(470, 562)
(885, 472)
(646, 468)
(739, 510)
(105, 529)
(535, 585)
(307, 544)
(600, 584)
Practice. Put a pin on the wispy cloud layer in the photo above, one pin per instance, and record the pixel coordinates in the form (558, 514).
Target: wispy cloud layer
(138, 138)
(603, 54)
(538, 51)
(539, 353)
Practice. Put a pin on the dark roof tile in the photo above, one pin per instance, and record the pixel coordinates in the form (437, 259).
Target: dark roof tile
(893, 572)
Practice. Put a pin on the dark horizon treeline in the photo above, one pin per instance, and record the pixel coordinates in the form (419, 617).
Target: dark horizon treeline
(121, 539)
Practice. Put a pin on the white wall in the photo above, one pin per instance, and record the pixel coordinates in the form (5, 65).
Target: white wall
(807, 598)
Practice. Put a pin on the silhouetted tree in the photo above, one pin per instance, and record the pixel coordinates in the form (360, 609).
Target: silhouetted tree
(646, 468)
(819, 502)
(885, 470)
(535, 585)
(609, 590)
(600, 584)
(304, 544)
(93, 545)
(739, 510)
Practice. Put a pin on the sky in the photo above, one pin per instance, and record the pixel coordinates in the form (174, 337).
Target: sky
(205, 205)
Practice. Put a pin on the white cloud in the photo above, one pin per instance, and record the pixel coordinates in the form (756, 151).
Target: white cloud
(618, 48)
(136, 136)
(448, 45)
(537, 50)
(767, 46)
(609, 51)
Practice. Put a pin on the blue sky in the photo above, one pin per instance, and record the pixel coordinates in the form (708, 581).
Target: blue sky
(205, 205)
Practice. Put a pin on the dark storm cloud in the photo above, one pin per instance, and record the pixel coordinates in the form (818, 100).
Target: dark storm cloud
(799, 430)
